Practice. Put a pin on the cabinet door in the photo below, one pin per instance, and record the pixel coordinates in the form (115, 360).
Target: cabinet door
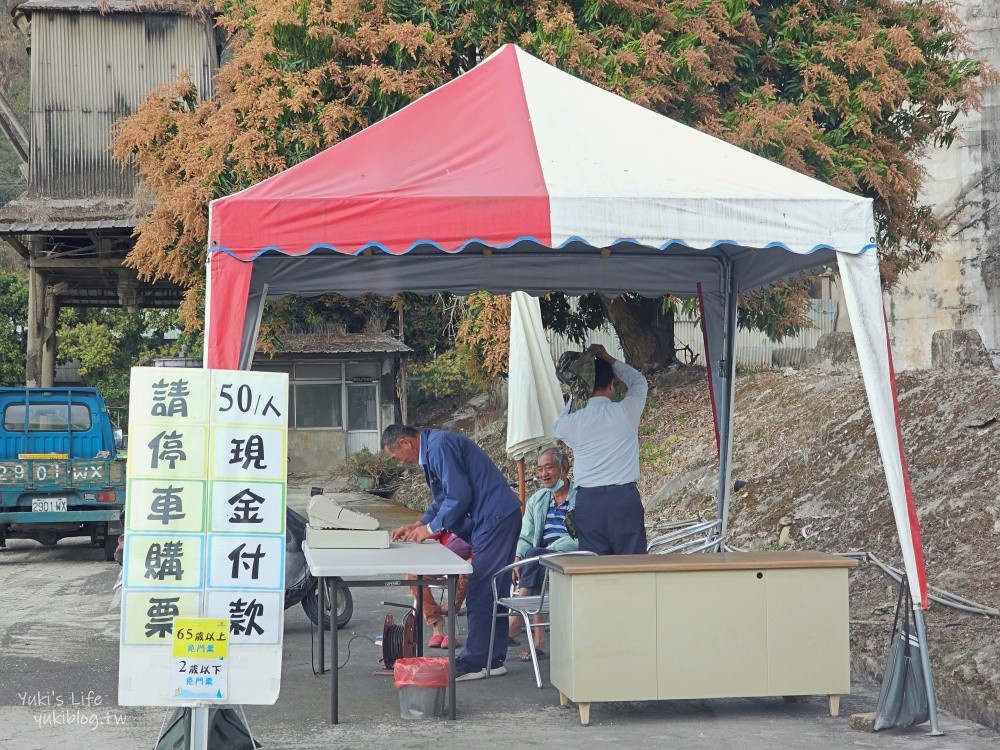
(604, 636)
(808, 632)
(712, 640)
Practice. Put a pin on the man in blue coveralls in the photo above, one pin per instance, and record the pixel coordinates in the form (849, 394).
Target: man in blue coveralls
(473, 500)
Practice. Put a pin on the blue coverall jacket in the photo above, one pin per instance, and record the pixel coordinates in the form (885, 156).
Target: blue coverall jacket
(471, 495)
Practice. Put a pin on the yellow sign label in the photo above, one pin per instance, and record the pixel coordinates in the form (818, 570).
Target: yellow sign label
(201, 637)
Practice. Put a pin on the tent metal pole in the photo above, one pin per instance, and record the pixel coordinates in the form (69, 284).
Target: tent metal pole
(925, 659)
(727, 372)
(248, 355)
(207, 331)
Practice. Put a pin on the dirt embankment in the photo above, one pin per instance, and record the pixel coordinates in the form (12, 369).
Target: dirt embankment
(806, 449)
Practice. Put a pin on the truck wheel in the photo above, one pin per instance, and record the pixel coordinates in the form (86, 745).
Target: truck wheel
(110, 545)
(345, 606)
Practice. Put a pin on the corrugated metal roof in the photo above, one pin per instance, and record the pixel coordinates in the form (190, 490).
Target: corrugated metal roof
(340, 343)
(105, 7)
(34, 215)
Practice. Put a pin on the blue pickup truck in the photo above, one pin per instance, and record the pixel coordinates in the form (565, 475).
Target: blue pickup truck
(61, 470)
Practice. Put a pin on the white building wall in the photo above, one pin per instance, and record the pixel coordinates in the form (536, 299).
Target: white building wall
(961, 289)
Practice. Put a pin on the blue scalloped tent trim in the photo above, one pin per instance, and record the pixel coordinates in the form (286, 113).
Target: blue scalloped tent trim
(476, 240)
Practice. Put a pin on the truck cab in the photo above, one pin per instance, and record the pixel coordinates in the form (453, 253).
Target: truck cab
(61, 470)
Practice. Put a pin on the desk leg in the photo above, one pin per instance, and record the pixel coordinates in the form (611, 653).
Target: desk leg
(452, 616)
(334, 658)
(320, 590)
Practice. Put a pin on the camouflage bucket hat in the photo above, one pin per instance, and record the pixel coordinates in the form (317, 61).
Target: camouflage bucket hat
(576, 370)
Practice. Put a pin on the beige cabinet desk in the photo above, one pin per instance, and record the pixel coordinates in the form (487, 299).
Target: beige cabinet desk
(714, 625)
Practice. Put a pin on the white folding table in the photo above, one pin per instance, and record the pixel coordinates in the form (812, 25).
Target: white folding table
(429, 561)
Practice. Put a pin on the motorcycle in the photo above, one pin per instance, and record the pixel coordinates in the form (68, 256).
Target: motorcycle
(301, 586)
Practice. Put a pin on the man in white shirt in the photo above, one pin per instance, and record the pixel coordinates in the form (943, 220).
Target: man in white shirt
(604, 436)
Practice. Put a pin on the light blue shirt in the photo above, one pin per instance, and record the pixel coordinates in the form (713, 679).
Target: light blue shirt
(604, 435)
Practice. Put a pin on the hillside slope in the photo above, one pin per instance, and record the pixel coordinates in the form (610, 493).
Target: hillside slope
(805, 447)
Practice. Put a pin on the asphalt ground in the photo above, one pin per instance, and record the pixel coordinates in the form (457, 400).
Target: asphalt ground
(59, 665)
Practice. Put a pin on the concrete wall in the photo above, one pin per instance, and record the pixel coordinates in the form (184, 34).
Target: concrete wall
(961, 289)
(316, 451)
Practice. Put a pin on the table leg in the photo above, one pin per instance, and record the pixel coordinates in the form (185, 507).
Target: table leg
(322, 638)
(334, 658)
(452, 616)
(584, 713)
(419, 613)
(563, 700)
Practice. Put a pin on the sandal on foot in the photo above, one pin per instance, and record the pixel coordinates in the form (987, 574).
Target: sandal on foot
(436, 641)
(526, 655)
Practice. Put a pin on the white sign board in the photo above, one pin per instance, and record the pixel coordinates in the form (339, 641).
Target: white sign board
(204, 529)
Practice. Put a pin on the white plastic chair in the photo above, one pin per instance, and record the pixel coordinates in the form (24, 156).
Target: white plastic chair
(525, 606)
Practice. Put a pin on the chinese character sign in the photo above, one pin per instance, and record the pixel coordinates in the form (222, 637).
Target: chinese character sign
(200, 659)
(205, 528)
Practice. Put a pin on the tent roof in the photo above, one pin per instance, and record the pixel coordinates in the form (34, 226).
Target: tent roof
(517, 151)
(530, 179)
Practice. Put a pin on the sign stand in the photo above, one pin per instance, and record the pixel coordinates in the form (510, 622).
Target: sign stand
(205, 540)
(199, 729)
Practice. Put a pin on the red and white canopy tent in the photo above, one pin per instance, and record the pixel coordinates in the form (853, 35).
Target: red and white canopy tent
(517, 176)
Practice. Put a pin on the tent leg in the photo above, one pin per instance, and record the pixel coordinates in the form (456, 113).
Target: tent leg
(727, 377)
(925, 658)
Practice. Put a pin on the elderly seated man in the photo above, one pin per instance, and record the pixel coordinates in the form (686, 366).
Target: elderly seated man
(543, 531)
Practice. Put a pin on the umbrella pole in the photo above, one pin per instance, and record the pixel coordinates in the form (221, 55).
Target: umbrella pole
(521, 487)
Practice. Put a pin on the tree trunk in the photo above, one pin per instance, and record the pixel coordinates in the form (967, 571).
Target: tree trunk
(646, 330)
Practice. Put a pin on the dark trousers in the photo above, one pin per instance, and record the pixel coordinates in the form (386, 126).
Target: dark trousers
(531, 573)
(491, 550)
(610, 520)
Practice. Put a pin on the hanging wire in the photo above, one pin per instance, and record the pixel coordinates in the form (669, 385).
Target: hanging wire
(935, 594)
(159, 735)
(253, 742)
(348, 657)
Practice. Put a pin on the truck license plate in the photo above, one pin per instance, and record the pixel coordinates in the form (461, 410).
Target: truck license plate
(49, 505)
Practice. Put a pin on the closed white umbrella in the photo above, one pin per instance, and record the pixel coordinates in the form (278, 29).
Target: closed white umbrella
(534, 398)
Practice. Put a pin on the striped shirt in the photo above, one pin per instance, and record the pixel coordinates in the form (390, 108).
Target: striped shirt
(555, 522)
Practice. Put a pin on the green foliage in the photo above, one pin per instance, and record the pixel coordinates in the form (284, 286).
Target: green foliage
(109, 342)
(778, 312)
(484, 331)
(377, 466)
(447, 375)
(14, 315)
(653, 453)
(573, 321)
